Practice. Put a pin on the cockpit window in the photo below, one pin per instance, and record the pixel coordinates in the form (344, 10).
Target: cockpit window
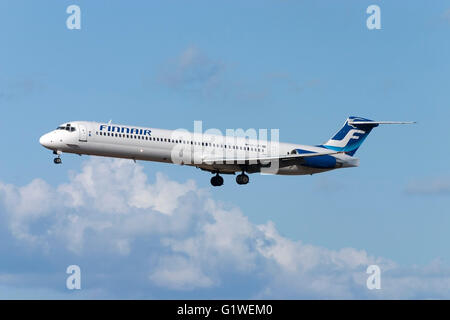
(67, 127)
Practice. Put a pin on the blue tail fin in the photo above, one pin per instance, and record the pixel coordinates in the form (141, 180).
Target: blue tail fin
(351, 136)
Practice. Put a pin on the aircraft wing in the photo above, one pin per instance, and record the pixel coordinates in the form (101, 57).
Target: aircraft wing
(265, 159)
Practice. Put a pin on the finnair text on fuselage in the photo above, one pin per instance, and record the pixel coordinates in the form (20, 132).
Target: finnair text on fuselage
(109, 128)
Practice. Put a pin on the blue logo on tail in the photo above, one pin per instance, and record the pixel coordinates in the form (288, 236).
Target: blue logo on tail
(351, 136)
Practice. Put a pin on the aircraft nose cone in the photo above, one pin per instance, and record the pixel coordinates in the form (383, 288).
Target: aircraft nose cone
(45, 140)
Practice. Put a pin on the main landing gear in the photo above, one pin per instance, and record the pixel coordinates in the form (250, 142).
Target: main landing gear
(57, 160)
(242, 178)
(217, 180)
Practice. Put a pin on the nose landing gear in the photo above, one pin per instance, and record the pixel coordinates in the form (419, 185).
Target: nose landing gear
(57, 160)
(217, 180)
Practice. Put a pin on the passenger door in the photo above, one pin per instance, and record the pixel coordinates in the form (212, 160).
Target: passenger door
(83, 133)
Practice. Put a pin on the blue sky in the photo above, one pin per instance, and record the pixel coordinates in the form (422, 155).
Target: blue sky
(298, 66)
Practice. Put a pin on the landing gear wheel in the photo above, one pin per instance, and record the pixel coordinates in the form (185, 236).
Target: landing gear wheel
(217, 181)
(57, 160)
(242, 179)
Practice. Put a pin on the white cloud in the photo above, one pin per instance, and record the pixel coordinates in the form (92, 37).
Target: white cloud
(192, 70)
(429, 186)
(446, 15)
(25, 205)
(12, 89)
(177, 272)
(166, 235)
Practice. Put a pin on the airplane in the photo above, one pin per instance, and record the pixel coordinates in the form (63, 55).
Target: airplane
(212, 152)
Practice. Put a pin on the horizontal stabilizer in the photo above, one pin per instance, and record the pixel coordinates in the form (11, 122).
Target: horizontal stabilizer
(380, 122)
(353, 133)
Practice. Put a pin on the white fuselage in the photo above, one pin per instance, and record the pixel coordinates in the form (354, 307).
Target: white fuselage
(175, 146)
